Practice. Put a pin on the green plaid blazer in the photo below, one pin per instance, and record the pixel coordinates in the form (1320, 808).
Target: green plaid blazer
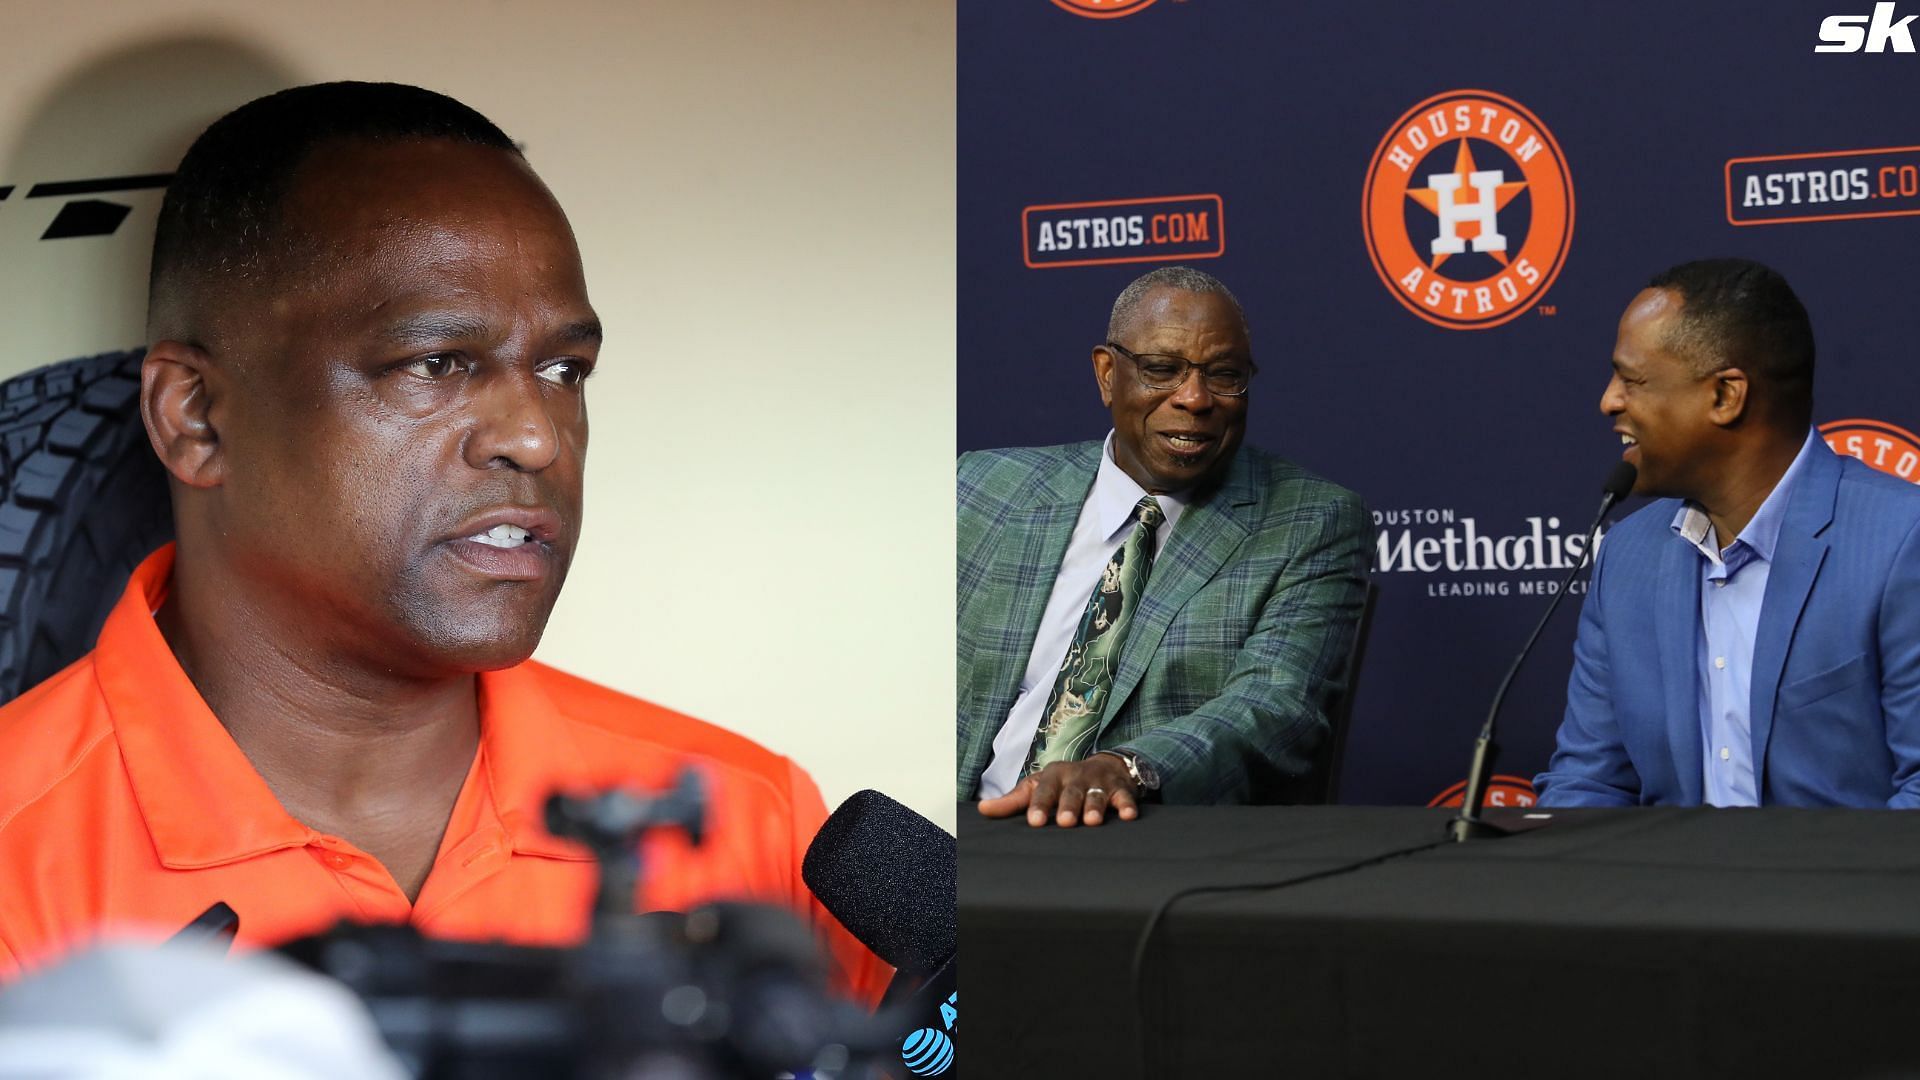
(1240, 642)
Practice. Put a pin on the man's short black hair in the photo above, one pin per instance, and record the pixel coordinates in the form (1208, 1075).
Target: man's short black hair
(221, 211)
(1739, 313)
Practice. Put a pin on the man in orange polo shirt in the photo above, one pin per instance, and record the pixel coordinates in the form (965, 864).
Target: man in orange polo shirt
(371, 336)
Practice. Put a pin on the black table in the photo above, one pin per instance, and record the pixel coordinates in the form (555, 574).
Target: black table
(1630, 943)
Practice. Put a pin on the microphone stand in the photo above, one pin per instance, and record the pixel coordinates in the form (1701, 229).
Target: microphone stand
(1470, 824)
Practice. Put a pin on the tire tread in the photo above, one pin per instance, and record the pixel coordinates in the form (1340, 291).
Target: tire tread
(82, 501)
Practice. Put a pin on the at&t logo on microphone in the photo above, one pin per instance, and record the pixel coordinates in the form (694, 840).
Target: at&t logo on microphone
(929, 1051)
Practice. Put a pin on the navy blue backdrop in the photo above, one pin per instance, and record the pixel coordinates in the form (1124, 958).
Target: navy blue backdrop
(1242, 137)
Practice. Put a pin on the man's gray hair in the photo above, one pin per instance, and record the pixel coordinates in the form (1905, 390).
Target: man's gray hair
(1184, 278)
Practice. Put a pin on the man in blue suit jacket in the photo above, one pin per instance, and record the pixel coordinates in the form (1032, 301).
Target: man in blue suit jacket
(1781, 667)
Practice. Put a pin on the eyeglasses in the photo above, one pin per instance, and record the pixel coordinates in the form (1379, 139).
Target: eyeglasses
(1161, 372)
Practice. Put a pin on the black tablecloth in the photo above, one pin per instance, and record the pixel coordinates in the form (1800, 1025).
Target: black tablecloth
(1665, 943)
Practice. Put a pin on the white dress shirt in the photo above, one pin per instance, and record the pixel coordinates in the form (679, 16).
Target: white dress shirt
(1106, 518)
(1733, 583)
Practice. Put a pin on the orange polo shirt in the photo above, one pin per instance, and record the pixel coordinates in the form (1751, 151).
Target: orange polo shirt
(125, 807)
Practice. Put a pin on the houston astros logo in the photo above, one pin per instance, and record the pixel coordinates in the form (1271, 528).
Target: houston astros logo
(1468, 209)
(1102, 9)
(1890, 449)
(1502, 790)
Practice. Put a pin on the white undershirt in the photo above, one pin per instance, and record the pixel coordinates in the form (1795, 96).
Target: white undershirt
(1106, 518)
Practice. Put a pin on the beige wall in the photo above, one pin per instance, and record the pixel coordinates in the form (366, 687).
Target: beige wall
(763, 194)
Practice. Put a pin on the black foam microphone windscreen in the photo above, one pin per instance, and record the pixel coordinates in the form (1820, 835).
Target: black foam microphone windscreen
(888, 875)
(1620, 480)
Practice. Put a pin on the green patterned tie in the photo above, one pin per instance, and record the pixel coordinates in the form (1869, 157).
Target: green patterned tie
(1080, 693)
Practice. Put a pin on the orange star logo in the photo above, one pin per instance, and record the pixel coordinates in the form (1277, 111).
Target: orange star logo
(1463, 167)
(1460, 217)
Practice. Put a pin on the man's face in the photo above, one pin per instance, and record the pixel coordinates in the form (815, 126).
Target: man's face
(1658, 405)
(1171, 440)
(405, 429)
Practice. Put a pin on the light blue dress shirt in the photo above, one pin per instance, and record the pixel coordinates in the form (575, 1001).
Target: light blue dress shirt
(1106, 520)
(1733, 584)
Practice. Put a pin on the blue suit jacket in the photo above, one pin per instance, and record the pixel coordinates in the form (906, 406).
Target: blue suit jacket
(1835, 702)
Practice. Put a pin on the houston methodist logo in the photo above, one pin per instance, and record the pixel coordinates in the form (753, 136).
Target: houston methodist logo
(1523, 557)
(1103, 9)
(1893, 450)
(1468, 209)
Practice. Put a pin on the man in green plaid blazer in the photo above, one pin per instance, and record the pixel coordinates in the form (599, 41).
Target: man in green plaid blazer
(1239, 642)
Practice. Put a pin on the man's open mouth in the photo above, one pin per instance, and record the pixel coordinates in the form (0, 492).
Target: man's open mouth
(503, 536)
(1185, 443)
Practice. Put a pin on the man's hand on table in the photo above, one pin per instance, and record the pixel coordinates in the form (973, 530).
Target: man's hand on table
(1070, 793)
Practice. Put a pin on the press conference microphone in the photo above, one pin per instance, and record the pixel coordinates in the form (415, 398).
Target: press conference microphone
(1469, 823)
(215, 926)
(888, 875)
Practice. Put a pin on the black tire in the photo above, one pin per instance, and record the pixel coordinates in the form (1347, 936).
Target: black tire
(85, 501)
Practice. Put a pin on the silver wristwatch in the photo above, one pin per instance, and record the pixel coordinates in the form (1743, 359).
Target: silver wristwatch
(1144, 776)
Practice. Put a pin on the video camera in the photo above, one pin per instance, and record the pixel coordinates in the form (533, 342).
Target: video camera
(725, 990)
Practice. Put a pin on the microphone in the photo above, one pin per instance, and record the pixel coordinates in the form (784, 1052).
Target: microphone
(888, 875)
(1469, 823)
(215, 926)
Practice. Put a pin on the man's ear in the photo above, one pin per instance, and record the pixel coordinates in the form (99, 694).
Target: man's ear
(177, 403)
(1103, 373)
(1730, 396)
